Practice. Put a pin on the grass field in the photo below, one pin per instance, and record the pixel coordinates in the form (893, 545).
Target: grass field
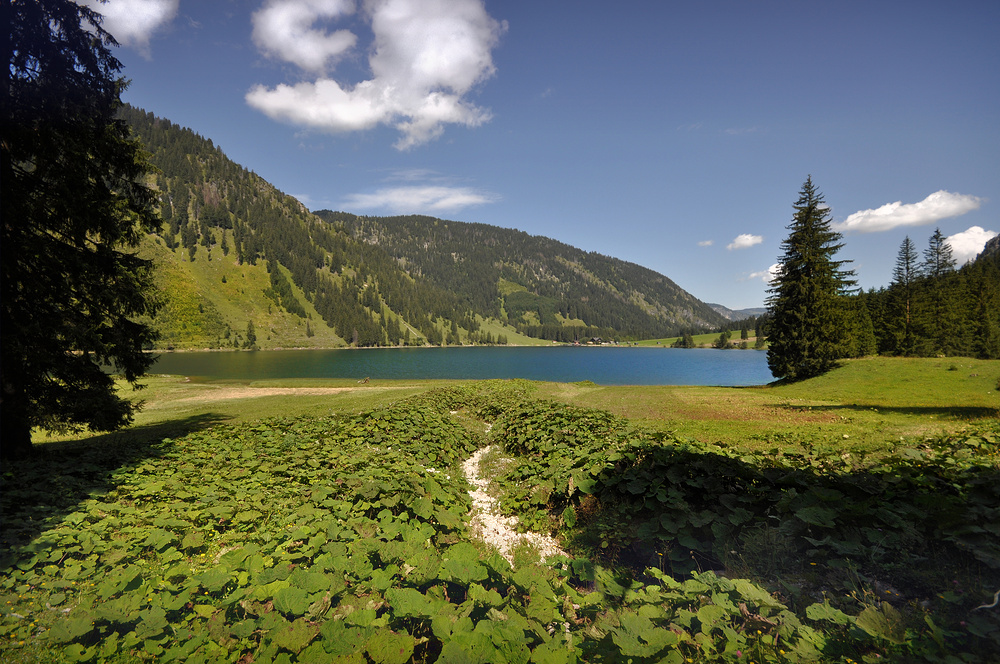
(859, 406)
(851, 518)
(700, 340)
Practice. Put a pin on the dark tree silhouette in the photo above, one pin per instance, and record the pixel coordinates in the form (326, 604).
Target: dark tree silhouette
(74, 206)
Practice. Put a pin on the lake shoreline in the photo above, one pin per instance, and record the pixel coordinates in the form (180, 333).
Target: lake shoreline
(425, 347)
(624, 365)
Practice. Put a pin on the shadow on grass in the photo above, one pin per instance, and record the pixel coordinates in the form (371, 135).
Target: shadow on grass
(950, 412)
(40, 490)
(919, 525)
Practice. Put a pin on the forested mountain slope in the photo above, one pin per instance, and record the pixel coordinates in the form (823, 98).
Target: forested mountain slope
(240, 264)
(541, 286)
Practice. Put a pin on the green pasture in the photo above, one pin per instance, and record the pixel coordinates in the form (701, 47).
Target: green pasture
(864, 405)
(701, 340)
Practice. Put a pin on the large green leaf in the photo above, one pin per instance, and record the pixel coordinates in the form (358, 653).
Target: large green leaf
(386, 647)
(639, 637)
(461, 564)
(817, 516)
(215, 579)
(296, 635)
(885, 622)
(70, 629)
(292, 601)
(826, 612)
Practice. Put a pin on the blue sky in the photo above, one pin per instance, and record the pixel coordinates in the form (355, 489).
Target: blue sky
(672, 134)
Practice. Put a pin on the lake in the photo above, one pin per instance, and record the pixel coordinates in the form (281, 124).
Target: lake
(604, 365)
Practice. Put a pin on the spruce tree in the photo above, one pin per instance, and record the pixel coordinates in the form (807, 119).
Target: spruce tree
(938, 257)
(74, 209)
(941, 320)
(805, 305)
(251, 337)
(983, 281)
(902, 292)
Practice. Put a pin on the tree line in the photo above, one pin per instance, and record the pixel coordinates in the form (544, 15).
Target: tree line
(932, 307)
(815, 315)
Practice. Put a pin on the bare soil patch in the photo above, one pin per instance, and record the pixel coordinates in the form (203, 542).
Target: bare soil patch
(226, 392)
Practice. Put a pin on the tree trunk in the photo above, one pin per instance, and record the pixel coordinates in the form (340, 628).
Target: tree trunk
(15, 432)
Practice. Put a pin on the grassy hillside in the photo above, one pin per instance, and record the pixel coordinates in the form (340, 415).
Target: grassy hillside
(209, 302)
(233, 250)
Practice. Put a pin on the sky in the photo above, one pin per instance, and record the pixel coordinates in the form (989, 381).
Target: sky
(675, 135)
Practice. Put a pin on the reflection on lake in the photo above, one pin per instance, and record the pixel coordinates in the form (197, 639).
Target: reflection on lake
(602, 365)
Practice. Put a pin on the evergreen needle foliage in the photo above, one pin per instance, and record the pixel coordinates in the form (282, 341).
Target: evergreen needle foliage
(74, 207)
(807, 297)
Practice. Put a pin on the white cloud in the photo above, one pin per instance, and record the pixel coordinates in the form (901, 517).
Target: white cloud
(133, 22)
(745, 240)
(430, 193)
(706, 243)
(939, 205)
(284, 29)
(969, 243)
(768, 275)
(426, 57)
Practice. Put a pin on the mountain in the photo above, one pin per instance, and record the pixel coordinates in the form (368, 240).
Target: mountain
(991, 249)
(241, 265)
(542, 287)
(738, 314)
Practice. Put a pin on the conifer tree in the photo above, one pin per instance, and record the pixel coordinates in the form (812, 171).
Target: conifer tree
(861, 341)
(251, 340)
(902, 292)
(983, 279)
(74, 208)
(805, 305)
(940, 320)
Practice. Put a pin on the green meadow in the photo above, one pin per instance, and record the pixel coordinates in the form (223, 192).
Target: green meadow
(854, 517)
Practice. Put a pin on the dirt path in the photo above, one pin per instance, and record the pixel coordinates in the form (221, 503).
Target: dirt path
(495, 529)
(224, 393)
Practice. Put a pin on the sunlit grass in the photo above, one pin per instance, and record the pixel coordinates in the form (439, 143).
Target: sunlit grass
(860, 405)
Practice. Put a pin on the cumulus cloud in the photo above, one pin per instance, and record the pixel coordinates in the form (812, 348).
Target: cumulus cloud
(427, 56)
(284, 29)
(745, 240)
(768, 275)
(969, 243)
(706, 243)
(939, 205)
(133, 22)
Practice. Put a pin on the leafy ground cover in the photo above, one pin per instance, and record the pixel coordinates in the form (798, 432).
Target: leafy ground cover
(343, 538)
(901, 547)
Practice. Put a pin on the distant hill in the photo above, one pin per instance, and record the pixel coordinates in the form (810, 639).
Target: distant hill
(738, 314)
(241, 264)
(540, 286)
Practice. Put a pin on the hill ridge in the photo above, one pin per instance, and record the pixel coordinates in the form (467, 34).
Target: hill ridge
(243, 265)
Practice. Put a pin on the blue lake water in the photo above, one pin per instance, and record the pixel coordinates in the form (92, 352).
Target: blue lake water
(603, 365)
